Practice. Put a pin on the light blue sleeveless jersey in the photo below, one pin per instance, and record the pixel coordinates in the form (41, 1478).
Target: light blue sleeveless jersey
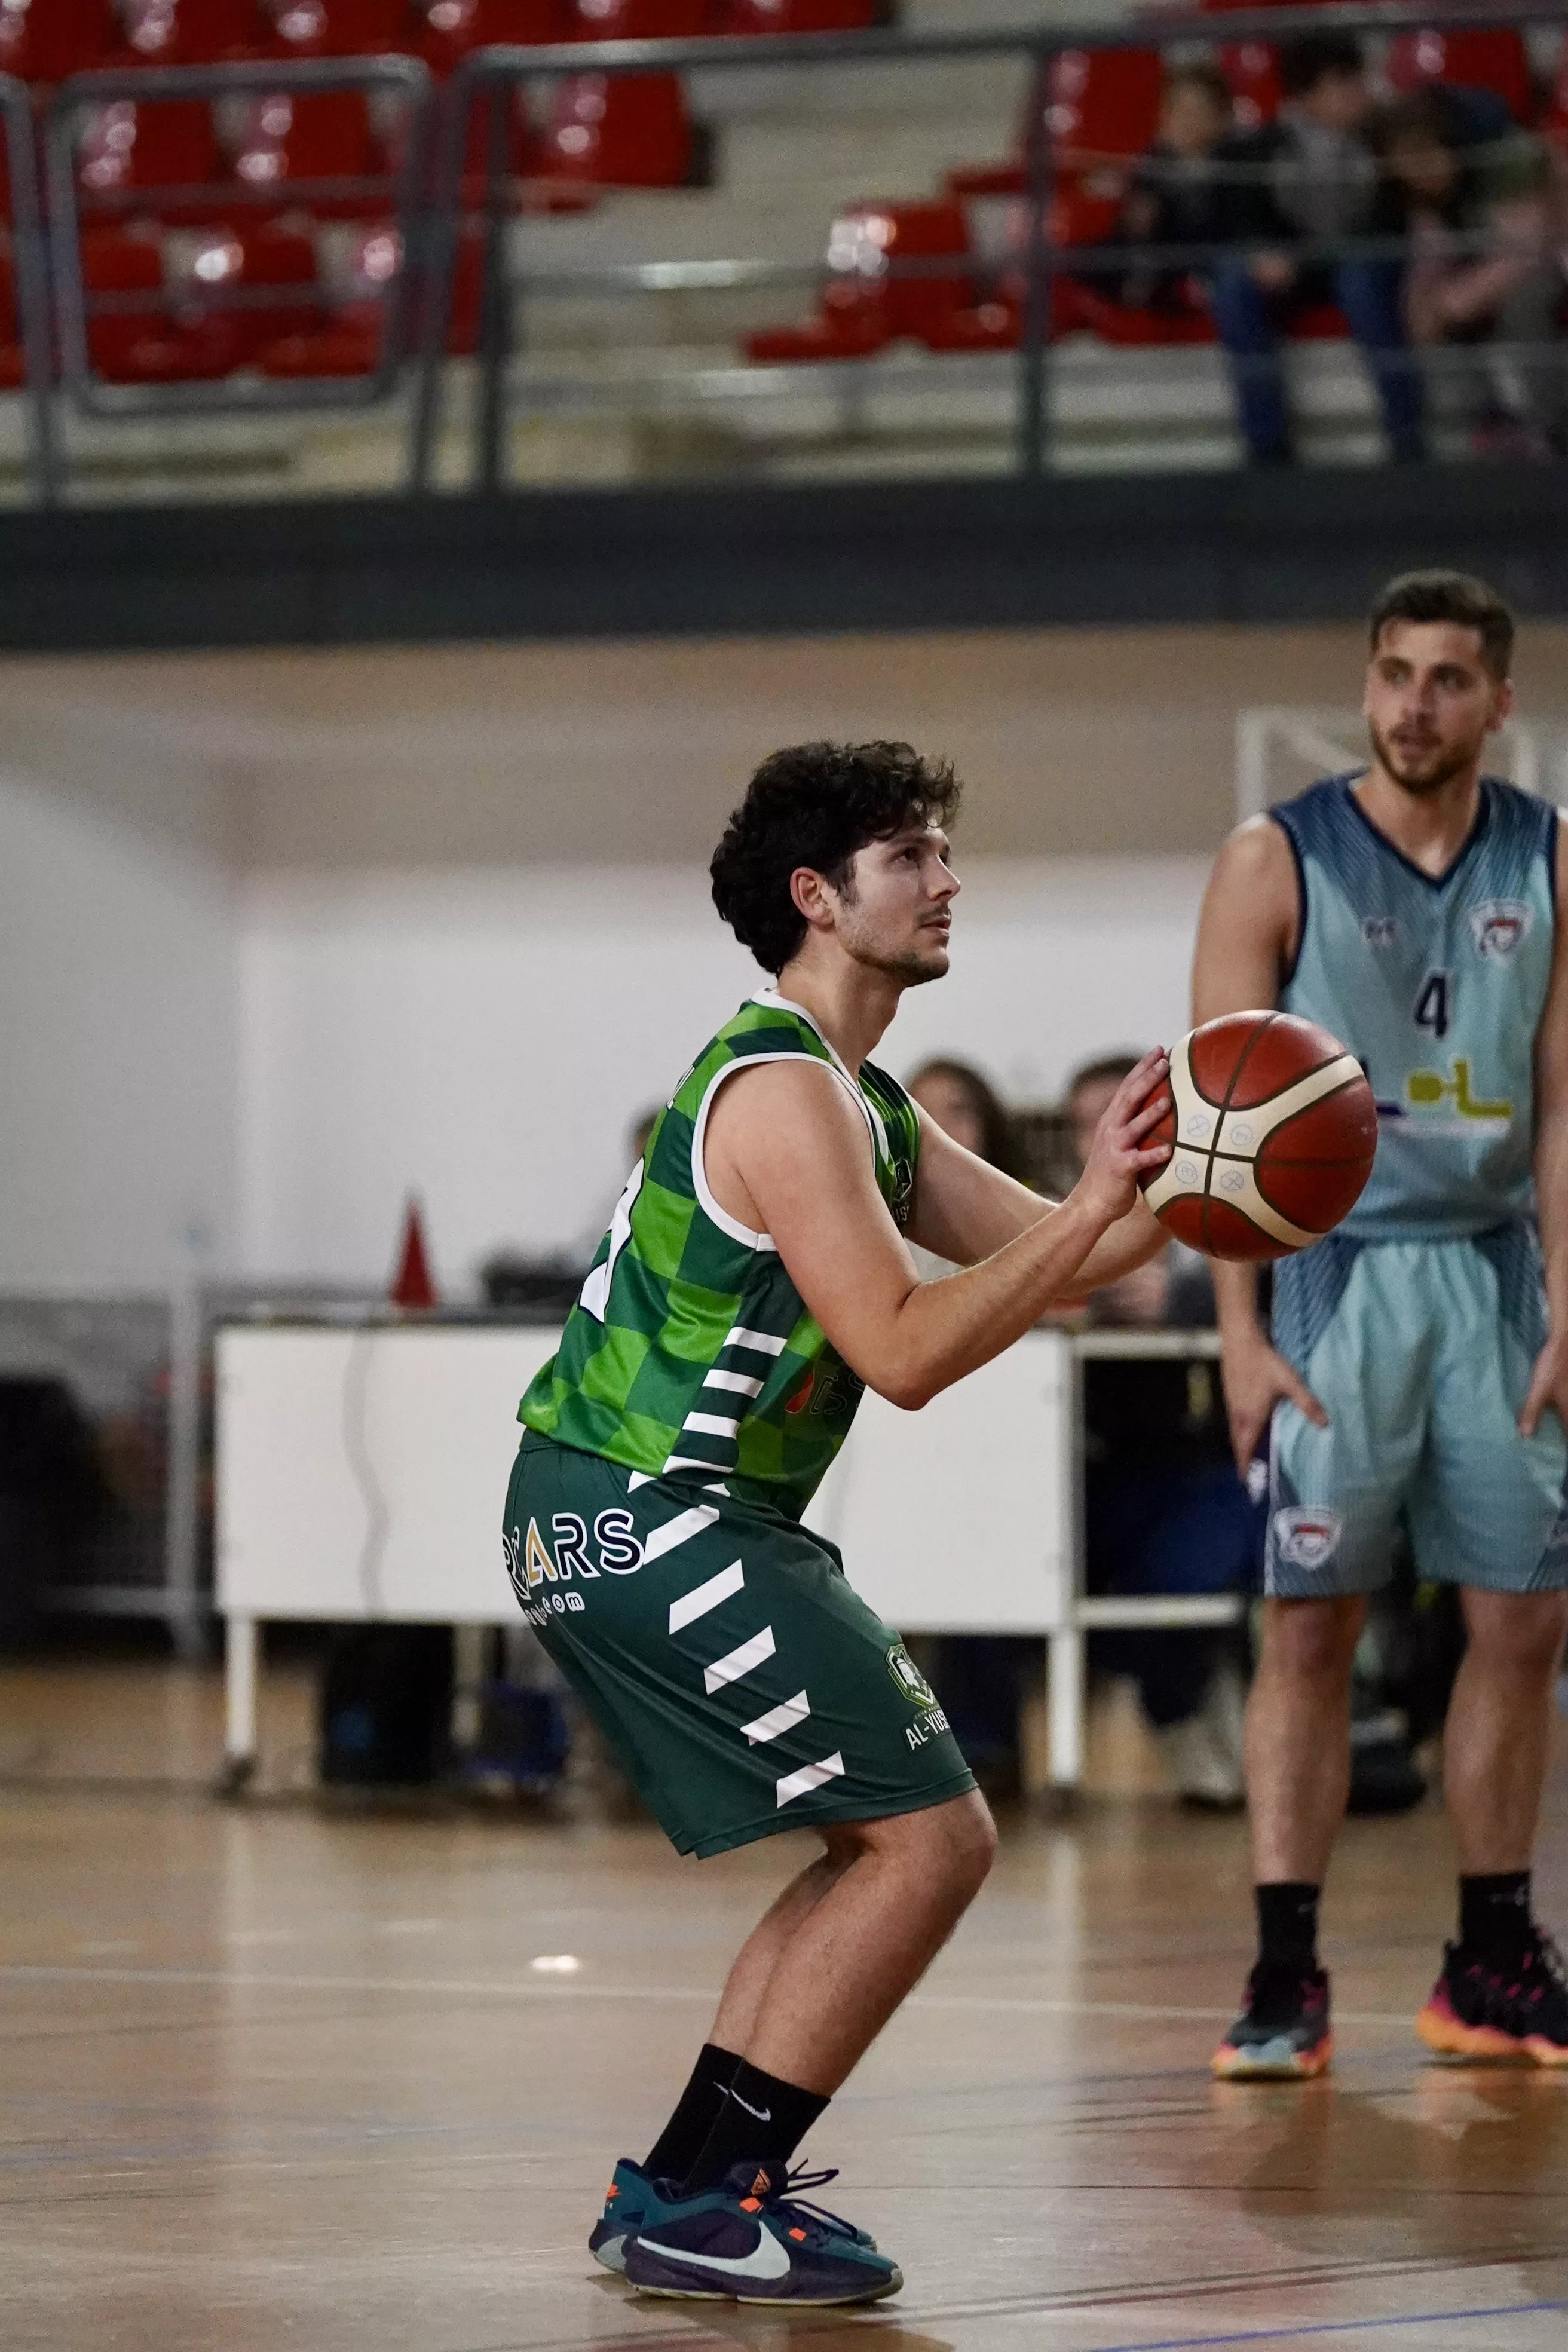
(1438, 986)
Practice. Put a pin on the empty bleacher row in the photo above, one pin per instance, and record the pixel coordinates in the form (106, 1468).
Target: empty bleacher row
(256, 230)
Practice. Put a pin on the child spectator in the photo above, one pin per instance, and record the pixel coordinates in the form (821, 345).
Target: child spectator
(1173, 196)
(1483, 291)
(1297, 192)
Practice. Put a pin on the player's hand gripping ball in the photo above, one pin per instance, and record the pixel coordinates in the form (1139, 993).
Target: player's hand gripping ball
(1272, 1128)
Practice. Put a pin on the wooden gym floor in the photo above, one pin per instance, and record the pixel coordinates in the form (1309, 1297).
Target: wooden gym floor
(272, 2077)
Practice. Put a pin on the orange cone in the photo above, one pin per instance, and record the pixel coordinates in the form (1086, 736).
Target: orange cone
(414, 1286)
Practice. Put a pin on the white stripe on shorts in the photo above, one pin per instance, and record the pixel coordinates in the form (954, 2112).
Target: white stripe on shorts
(778, 1719)
(680, 1529)
(740, 1384)
(703, 1597)
(739, 1662)
(809, 1777)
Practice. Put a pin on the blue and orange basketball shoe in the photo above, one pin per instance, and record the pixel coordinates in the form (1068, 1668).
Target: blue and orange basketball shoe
(1282, 2034)
(1488, 2009)
(756, 2239)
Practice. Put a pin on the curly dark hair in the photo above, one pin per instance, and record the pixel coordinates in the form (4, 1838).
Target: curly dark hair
(816, 805)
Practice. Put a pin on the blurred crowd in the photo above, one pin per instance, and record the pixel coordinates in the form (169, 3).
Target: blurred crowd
(1165, 1511)
(1436, 224)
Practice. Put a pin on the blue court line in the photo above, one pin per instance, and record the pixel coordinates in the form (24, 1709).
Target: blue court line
(1333, 2327)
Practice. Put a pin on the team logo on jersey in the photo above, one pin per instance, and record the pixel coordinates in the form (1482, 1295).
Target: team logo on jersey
(1380, 930)
(908, 1678)
(1305, 1536)
(1498, 926)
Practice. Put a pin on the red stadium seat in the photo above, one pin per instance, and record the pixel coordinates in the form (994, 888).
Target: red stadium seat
(1102, 103)
(801, 15)
(13, 359)
(338, 28)
(1554, 120)
(142, 342)
(45, 40)
(446, 30)
(617, 131)
(190, 32)
(1252, 69)
(1101, 106)
(161, 156)
(1491, 57)
(351, 340)
(636, 20)
(287, 141)
(200, 270)
(865, 306)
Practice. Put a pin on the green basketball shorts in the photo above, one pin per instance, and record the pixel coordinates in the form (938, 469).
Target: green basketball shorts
(721, 1652)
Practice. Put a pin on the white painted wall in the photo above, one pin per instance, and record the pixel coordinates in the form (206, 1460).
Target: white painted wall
(485, 1038)
(117, 1043)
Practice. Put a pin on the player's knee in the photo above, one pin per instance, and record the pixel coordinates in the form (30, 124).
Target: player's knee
(947, 1850)
(1315, 1639)
(1518, 1632)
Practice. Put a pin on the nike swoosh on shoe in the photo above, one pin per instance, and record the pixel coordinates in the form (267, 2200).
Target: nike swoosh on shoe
(767, 2260)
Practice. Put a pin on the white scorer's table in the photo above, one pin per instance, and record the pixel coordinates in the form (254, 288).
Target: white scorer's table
(362, 1473)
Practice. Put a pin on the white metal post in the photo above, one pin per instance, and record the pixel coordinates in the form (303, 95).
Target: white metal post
(1067, 1664)
(241, 1650)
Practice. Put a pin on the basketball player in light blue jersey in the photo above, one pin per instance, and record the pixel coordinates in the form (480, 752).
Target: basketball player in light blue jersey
(1418, 1364)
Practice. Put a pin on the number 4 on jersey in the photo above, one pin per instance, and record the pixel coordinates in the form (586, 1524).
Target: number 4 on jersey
(1432, 1004)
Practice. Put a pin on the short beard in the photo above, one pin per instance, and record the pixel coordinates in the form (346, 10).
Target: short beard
(1422, 787)
(911, 968)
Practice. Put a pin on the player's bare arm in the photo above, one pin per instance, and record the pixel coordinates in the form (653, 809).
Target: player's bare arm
(1247, 941)
(786, 1154)
(1549, 1382)
(965, 1209)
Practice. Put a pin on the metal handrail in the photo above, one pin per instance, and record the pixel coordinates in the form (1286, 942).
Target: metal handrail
(1040, 45)
(407, 76)
(32, 281)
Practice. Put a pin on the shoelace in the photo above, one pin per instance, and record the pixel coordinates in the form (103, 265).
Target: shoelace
(785, 2200)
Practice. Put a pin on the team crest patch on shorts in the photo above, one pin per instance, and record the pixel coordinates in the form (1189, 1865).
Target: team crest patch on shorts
(1304, 1537)
(908, 1678)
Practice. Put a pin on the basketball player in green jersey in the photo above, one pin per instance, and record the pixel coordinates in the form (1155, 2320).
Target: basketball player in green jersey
(1419, 1362)
(755, 1277)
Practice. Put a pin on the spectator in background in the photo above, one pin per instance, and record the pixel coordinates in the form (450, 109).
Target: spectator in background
(981, 1677)
(1294, 189)
(1483, 290)
(1175, 196)
(966, 1105)
(1164, 1510)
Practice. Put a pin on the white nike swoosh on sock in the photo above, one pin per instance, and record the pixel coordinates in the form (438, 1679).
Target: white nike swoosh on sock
(767, 2260)
(762, 2115)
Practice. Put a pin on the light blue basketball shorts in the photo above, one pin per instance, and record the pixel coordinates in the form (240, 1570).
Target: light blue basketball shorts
(1421, 1354)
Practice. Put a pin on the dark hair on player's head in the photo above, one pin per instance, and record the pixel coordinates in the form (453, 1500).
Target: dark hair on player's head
(1311, 58)
(816, 805)
(1453, 596)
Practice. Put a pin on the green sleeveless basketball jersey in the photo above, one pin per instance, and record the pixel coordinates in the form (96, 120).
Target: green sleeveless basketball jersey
(690, 1353)
(1437, 982)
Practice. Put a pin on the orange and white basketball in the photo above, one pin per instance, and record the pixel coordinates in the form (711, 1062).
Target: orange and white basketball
(1272, 1128)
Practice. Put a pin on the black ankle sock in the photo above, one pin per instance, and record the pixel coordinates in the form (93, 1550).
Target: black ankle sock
(1288, 1922)
(1494, 1913)
(762, 2120)
(680, 2144)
